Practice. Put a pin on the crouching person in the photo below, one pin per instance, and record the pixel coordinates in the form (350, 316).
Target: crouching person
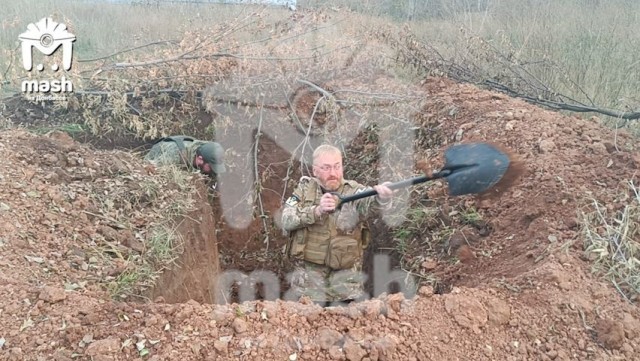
(189, 153)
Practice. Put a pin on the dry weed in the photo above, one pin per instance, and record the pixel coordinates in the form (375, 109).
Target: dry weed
(612, 242)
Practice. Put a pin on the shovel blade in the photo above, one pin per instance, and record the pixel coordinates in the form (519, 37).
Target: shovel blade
(475, 167)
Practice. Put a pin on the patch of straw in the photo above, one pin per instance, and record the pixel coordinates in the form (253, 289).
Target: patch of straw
(612, 242)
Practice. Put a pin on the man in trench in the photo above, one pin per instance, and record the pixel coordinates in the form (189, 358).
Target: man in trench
(180, 150)
(327, 245)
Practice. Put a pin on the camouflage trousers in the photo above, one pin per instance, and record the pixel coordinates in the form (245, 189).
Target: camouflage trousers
(325, 285)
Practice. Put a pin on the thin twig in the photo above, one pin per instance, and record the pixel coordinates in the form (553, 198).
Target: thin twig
(562, 106)
(263, 216)
(215, 55)
(324, 92)
(127, 50)
(4, 76)
(615, 284)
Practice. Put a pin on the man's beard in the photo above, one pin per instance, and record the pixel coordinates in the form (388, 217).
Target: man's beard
(333, 184)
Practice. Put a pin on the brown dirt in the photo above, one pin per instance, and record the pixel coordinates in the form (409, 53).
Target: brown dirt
(196, 277)
(531, 299)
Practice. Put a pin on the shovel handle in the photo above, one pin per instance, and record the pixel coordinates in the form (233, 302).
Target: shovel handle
(396, 185)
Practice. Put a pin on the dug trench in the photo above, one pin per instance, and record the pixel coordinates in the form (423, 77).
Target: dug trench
(259, 246)
(510, 270)
(216, 252)
(212, 248)
(463, 241)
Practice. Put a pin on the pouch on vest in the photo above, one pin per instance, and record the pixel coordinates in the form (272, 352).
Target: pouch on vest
(342, 253)
(295, 246)
(366, 237)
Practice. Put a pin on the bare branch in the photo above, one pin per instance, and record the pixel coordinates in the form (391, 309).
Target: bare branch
(562, 106)
(185, 56)
(523, 84)
(127, 50)
(262, 215)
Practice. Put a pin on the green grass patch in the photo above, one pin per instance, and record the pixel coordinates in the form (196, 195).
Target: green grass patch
(129, 282)
(163, 246)
(70, 128)
(470, 216)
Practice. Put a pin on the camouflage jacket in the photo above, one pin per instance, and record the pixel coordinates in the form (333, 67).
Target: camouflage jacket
(167, 152)
(311, 233)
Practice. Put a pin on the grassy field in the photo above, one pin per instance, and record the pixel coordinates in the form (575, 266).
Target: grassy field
(585, 49)
(103, 28)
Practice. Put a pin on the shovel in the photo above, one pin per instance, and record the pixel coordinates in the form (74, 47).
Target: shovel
(469, 168)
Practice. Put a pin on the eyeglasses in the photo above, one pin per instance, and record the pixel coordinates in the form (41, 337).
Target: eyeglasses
(328, 168)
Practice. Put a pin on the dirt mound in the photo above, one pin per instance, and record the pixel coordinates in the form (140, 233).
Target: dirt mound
(567, 162)
(93, 221)
(549, 321)
(75, 220)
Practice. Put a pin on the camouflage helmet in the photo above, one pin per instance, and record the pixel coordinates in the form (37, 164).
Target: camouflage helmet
(213, 154)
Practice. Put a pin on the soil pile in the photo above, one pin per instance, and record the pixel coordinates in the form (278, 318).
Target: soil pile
(568, 163)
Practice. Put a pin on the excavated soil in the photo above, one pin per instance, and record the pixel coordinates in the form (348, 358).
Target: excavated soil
(521, 291)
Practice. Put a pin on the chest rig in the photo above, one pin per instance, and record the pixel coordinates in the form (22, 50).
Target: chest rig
(322, 242)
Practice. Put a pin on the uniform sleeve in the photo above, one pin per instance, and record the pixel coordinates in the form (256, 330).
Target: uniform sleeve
(353, 213)
(367, 205)
(297, 213)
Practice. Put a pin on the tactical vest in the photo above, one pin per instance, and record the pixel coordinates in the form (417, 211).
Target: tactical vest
(315, 242)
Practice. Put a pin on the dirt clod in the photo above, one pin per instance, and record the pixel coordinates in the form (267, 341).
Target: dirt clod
(546, 146)
(631, 326)
(221, 346)
(239, 325)
(498, 311)
(610, 333)
(103, 347)
(468, 313)
(335, 353)
(328, 337)
(374, 308)
(353, 351)
(52, 294)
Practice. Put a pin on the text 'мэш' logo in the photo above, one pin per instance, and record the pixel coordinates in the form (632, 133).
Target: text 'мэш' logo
(47, 36)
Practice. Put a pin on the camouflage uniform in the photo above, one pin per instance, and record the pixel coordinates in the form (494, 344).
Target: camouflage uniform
(167, 152)
(341, 235)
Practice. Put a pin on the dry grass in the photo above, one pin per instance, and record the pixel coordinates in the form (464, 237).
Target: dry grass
(583, 49)
(588, 58)
(612, 242)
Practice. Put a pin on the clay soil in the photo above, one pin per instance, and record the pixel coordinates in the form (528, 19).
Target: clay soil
(522, 289)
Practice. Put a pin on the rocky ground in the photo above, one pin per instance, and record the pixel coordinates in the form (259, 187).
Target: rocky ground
(74, 221)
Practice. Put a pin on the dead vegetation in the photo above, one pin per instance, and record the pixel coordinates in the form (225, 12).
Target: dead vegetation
(489, 66)
(158, 204)
(612, 242)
